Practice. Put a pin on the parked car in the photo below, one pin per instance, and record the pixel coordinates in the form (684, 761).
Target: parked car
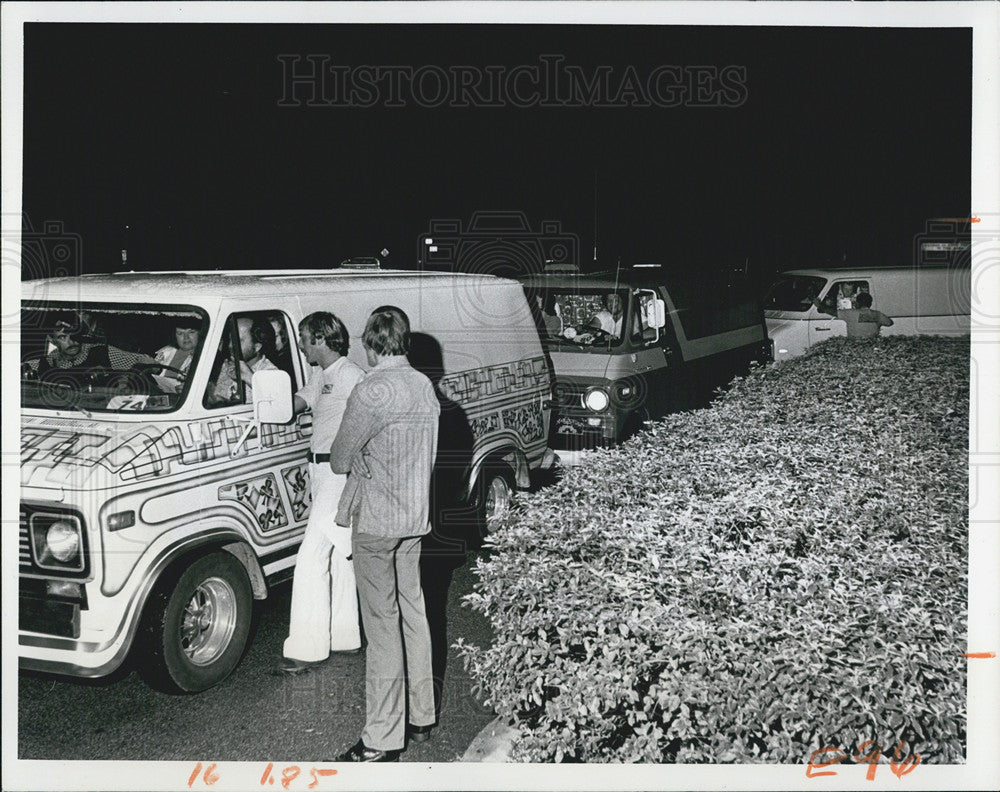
(628, 346)
(156, 505)
(930, 300)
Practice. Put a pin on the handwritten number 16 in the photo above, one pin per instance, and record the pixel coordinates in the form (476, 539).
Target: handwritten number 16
(209, 778)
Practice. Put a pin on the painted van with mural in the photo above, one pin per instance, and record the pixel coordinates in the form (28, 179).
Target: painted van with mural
(161, 493)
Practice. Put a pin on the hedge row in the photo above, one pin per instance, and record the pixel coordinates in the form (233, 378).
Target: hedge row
(780, 572)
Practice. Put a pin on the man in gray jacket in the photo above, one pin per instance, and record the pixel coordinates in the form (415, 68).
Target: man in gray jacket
(387, 442)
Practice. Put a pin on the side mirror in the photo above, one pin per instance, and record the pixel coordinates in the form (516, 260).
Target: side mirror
(272, 396)
(654, 313)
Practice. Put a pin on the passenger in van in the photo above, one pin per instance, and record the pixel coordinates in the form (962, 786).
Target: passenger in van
(324, 611)
(256, 344)
(550, 314)
(862, 321)
(282, 349)
(187, 332)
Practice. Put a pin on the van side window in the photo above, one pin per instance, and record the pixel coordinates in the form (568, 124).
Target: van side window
(253, 341)
(842, 295)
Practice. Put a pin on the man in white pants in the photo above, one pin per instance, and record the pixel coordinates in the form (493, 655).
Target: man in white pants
(324, 612)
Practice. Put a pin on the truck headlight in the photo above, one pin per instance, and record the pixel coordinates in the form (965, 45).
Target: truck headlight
(596, 399)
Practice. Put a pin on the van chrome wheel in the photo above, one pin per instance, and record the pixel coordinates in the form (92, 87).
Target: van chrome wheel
(497, 496)
(197, 624)
(209, 621)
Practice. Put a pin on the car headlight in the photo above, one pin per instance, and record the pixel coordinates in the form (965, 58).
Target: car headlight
(596, 399)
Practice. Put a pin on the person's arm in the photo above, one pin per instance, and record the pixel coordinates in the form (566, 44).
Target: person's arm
(357, 427)
(822, 310)
(883, 320)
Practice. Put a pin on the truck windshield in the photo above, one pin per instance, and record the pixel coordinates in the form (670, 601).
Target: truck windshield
(108, 358)
(793, 293)
(591, 319)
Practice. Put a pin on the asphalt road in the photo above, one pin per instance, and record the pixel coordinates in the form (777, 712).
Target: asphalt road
(253, 715)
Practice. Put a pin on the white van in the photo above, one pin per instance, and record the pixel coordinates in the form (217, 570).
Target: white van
(925, 300)
(153, 510)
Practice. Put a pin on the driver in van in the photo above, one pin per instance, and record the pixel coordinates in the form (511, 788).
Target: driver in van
(177, 359)
(609, 318)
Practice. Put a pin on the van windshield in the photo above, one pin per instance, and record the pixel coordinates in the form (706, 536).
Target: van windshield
(585, 319)
(793, 293)
(108, 357)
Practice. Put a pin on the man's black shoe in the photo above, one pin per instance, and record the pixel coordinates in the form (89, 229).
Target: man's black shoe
(419, 734)
(291, 667)
(360, 752)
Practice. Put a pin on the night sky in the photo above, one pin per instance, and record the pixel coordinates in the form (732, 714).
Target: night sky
(841, 145)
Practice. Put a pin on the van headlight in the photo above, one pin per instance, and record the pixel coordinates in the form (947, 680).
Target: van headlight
(63, 541)
(596, 399)
(57, 542)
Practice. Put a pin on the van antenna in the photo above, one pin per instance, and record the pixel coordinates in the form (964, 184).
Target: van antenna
(595, 216)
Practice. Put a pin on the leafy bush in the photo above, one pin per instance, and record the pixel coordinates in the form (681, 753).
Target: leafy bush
(780, 572)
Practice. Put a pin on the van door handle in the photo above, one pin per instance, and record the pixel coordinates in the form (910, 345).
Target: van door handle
(640, 369)
(821, 329)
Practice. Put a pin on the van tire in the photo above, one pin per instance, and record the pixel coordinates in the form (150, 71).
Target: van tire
(197, 630)
(494, 496)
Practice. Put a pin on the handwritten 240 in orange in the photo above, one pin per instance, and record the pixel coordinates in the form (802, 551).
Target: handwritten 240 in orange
(288, 775)
(899, 765)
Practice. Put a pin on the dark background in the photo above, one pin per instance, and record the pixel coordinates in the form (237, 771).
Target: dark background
(848, 143)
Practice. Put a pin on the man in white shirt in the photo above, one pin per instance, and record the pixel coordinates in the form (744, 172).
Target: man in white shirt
(609, 319)
(324, 611)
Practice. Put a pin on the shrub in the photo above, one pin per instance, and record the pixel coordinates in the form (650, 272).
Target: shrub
(780, 572)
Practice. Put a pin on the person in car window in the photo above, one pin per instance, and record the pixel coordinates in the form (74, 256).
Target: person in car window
(71, 347)
(256, 343)
(862, 321)
(609, 318)
(187, 332)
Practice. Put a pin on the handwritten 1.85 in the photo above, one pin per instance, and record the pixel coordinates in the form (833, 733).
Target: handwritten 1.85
(899, 765)
(288, 775)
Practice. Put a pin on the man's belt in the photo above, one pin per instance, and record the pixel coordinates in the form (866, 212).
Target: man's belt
(318, 459)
